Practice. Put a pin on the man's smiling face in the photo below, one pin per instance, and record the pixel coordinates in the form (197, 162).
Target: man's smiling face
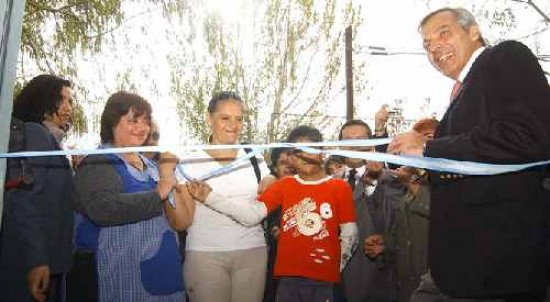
(448, 44)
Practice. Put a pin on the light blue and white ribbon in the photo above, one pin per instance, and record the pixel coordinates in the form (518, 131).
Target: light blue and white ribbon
(436, 164)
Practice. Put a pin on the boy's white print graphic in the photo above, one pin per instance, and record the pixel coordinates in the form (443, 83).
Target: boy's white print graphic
(326, 211)
(319, 256)
(305, 221)
(309, 224)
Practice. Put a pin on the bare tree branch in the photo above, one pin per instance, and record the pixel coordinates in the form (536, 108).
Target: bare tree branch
(544, 16)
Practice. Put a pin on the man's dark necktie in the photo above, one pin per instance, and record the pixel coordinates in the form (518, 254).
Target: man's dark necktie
(351, 178)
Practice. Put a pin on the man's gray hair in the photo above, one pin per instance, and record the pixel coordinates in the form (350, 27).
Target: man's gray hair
(464, 18)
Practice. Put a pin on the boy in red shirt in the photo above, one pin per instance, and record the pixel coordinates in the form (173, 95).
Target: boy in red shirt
(318, 230)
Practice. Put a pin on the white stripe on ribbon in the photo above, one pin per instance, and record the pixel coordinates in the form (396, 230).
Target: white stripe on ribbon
(436, 164)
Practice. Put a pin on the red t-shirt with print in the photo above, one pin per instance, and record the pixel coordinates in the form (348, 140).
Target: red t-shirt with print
(312, 211)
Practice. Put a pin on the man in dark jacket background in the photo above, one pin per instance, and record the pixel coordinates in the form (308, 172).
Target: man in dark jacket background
(488, 234)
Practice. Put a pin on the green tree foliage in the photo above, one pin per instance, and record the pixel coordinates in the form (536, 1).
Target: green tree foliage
(56, 32)
(289, 74)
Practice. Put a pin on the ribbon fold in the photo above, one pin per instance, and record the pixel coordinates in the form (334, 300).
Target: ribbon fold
(328, 148)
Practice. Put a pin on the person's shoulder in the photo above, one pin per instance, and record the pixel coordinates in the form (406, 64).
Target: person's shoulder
(510, 44)
(338, 183)
(96, 160)
(285, 180)
(35, 128)
(38, 137)
(510, 48)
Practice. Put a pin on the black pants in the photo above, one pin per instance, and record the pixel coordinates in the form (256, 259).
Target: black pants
(427, 291)
(290, 289)
(82, 279)
(537, 296)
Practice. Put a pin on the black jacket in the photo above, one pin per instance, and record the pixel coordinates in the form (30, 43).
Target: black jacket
(37, 221)
(487, 233)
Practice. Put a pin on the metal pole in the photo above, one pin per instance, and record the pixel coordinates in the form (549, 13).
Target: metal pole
(349, 75)
(544, 16)
(11, 14)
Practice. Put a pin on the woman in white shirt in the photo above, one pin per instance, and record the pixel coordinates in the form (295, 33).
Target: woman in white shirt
(225, 261)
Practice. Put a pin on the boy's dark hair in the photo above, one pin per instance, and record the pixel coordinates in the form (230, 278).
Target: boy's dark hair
(118, 105)
(334, 159)
(309, 133)
(355, 123)
(276, 153)
(42, 95)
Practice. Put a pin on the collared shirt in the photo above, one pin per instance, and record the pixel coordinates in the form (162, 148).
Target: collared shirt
(463, 75)
(469, 64)
(150, 169)
(360, 171)
(57, 132)
(369, 188)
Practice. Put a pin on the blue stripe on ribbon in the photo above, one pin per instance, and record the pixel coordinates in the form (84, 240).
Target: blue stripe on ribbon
(430, 163)
(231, 166)
(363, 143)
(436, 164)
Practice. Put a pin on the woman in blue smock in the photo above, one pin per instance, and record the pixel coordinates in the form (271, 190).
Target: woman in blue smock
(125, 214)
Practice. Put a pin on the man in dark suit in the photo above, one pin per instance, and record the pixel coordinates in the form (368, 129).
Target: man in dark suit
(365, 279)
(487, 233)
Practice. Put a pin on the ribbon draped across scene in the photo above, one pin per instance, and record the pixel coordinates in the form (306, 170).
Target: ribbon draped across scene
(328, 148)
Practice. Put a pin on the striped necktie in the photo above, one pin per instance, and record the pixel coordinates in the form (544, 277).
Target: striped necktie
(456, 89)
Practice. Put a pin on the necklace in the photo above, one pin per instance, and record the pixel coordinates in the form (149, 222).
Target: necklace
(134, 160)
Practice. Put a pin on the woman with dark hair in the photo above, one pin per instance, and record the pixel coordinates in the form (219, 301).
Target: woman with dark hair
(153, 140)
(225, 261)
(37, 220)
(125, 216)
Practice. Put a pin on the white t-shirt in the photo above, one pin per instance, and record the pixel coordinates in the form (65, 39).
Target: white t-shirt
(210, 230)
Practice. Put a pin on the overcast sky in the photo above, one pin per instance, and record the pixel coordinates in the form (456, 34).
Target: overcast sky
(411, 77)
(386, 23)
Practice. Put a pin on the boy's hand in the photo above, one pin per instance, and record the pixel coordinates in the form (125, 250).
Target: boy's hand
(199, 190)
(275, 231)
(374, 245)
